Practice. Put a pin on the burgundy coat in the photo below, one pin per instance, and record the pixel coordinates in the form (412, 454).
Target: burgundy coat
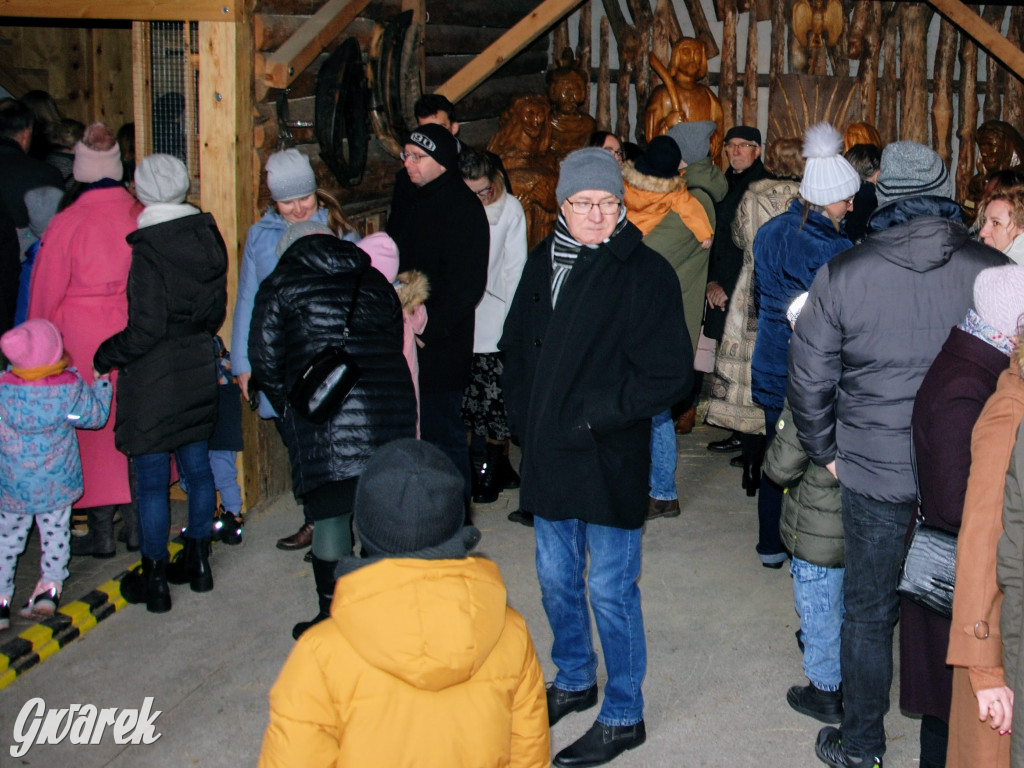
(948, 404)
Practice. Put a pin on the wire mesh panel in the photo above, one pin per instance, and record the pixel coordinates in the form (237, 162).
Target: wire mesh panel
(173, 92)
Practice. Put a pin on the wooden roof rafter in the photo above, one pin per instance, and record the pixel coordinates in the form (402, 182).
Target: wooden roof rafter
(130, 10)
(983, 33)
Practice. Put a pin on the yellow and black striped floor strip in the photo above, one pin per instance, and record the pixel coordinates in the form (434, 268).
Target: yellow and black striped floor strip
(71, 621)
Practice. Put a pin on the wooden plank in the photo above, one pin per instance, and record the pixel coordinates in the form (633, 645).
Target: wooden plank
(282, 66)
(440, 68)
(132, 10)
(111, 98)
(141, 67)
(988, 38)
(508, 45)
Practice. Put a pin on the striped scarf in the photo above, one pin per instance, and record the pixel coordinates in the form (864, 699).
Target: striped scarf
(565, 249)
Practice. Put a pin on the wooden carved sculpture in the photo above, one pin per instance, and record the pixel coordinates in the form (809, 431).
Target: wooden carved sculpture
(682, 98)
(568, 86)
(1000, 148)
(523, 141)
(816, 24)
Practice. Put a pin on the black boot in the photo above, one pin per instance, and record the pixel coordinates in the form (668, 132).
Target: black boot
(486, 485)
(129, 533)
(192, 565)
(99, 541)
(148, 584)
(323, 576)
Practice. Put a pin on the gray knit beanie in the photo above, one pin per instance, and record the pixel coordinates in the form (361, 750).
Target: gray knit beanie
(289, 175)
(694, 139)
(999, 297)
(589, 168)
(908, 169)
(161, 179)
(409, 503)
(41, 204)
(300, 229)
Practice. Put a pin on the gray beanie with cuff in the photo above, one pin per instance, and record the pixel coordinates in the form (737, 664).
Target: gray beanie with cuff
(289, 175)
(589, 168)
(694, 139)
(908, 169)
(161, 179)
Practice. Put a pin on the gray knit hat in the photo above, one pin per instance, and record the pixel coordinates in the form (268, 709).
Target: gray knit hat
(300, 229)
(909, 169)
(41, 204)
(161, 179)
(289, 175)
(999, 297)
(589, 168)
(694, 139)
(410, 503)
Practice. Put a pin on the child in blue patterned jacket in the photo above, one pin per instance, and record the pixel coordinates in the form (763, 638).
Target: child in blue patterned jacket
(42, 402)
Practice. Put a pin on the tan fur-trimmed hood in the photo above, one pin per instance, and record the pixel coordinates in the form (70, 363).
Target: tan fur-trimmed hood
(413, 289)
(634, 178)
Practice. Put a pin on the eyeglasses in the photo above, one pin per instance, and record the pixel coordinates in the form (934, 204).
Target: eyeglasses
(484, 193)
(606, 207)
(740, 145)
(411, 156)
(617, 152)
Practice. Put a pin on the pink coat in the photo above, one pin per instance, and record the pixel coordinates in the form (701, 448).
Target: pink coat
(79, 283)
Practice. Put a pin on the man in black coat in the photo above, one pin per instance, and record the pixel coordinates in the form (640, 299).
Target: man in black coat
(743, 148)
(441, 230)
(595, 344)
(18, 172)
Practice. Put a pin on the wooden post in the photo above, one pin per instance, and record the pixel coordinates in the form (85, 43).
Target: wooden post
(994, 72)
(777, 64)
(227, 184)
(968, 113)
(966, 18)
(604, 85)
(727, 81)
(942, 93)
(584, 48)
(1013, 101)
(914, 20)
(750, 70)
(559, 41)
(141, 67)
(887, 127)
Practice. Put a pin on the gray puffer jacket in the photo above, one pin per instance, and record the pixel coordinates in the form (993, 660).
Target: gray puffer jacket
(876, 317)
(812, 519)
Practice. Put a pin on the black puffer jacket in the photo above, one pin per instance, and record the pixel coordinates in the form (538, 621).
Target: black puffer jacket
(876, 317)
(301, 309)
(177, 296)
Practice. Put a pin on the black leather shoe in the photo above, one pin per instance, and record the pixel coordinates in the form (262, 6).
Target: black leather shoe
(730, 444)
(562, 702)
(601, 744)
(521, 517)
(736, 461)
(301, 539)
(824, 706)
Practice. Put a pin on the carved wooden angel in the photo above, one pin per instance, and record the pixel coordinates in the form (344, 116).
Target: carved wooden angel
(816, 24)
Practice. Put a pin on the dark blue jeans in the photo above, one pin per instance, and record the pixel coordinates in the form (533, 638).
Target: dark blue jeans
(152, 478)
(441, 424)
(874, 532)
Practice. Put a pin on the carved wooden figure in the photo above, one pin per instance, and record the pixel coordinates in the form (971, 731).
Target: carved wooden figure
(567, 90)
(1000, 148)
(682, 98)
(816, 24)
(523, 142)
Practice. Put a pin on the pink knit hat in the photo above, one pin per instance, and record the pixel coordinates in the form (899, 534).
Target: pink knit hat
(383, 253)
(97, 156)
(32, 344)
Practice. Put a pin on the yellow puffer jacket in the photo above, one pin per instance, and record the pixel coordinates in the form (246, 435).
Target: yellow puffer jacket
(421, 664)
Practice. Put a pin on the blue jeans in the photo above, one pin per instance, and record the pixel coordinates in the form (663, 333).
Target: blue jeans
(225, 479)
(663, 457)
(152, 479)
(769, 503)
(615, 555)
(874, 532)
(441, 424)
(818, 598)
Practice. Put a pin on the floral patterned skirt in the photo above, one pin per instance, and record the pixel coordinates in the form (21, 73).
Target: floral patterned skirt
(483, 405)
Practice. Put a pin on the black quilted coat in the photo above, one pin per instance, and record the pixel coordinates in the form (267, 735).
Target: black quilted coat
(177, 296)
(301, 309)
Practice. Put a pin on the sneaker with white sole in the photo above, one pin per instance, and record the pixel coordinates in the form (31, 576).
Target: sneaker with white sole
(43, 603)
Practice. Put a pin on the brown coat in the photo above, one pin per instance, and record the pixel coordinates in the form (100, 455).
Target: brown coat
(975, 643)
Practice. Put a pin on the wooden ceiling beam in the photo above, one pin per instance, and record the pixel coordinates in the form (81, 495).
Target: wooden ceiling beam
(985, 35)
(528, 29)
(282, 66)
(130, 10)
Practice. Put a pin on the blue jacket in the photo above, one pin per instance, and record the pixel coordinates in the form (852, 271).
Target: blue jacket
(258, 261)
(39, 466)
(787, 256)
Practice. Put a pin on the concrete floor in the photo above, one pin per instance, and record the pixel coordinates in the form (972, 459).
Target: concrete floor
(721, 649)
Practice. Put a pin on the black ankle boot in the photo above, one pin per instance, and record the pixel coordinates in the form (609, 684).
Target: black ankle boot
(99, 541)
(323, 576)
(192, 565)
(147, 584)
(751, 479)
(486, 483)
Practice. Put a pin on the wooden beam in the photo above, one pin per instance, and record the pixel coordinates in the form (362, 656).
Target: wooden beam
(988, 38)
(284, 65)
(131, 10)
(505, 47)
